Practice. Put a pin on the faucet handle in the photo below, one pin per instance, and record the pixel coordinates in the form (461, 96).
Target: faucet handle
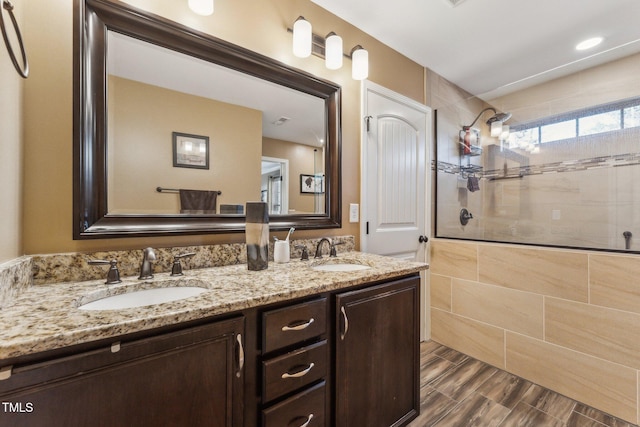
(113, 275)
(333, 252)
(176, 269)
(305, 252)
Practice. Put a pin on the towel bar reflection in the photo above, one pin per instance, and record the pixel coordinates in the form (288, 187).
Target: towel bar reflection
(174, 190)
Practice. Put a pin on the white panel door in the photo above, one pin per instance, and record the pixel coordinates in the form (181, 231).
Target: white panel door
(395, 164)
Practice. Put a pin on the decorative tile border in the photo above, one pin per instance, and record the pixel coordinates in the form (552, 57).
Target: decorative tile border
(616, 160)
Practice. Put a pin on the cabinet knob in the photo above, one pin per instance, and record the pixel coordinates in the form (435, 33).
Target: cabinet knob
(423, 239)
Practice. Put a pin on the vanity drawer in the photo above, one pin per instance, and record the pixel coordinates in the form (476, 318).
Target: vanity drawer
(306, 407)
(293, 324)
(293, 370)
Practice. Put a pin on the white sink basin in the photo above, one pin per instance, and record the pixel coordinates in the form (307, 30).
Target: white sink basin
(143, 298)
(340, 267)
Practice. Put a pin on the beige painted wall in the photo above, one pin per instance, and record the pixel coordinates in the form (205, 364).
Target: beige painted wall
(259, 25)
(143, 118)
(11, 151)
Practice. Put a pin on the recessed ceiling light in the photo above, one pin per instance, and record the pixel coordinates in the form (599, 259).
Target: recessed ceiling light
(589, 43)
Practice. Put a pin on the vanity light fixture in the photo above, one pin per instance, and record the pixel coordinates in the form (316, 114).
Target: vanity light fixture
(333, 51)
(589, 43)
(504, 135)
(359, 63)
(330, 48)
(496, 128)
(201, 7)
(302, 38)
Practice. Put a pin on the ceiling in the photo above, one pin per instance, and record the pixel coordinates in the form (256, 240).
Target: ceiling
(287, 114)
(493, 47)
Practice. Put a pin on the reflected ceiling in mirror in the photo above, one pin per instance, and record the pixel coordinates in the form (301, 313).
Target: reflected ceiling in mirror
(99, 26)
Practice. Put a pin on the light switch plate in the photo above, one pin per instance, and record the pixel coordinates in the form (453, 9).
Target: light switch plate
(354, 212)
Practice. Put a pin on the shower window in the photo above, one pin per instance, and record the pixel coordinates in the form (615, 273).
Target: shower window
(598, 123)
(568, 174)
(558, 131)
(595, 120)
(632, 116)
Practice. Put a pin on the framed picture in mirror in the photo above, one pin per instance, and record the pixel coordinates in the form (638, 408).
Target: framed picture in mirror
(313, 184)
(190, 151)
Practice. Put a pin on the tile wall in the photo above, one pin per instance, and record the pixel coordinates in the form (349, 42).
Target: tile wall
(567, 320)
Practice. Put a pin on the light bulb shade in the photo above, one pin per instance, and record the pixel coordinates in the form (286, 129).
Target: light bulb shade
(496, 128)
(359, 64)
(333, 51)
(504, 134)
(201, 7)
(302, 37)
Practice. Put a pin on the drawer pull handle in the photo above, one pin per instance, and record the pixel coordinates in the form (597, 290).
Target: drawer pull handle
(299, 327)
(346, 323)
(299, 374)
(240, 355)
(307, 421)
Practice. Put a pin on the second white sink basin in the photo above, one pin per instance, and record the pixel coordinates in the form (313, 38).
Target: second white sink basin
(143, 298)
(340, 267)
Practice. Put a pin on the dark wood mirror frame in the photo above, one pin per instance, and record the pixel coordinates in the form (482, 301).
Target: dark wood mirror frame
(91, 220)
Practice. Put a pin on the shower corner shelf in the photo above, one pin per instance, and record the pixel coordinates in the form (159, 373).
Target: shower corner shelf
(470, 170)
(476, 150)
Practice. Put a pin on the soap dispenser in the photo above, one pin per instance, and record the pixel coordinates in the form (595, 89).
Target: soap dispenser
(257, 235)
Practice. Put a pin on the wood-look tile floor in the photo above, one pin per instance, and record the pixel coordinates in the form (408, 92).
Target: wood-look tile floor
(459, 391)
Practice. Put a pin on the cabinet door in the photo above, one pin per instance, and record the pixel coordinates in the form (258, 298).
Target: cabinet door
(190, 378)
(377, 355)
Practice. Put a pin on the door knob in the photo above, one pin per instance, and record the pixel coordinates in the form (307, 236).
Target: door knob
(423, 239)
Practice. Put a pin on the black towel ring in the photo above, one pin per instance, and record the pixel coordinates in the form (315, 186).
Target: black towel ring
(24, 72)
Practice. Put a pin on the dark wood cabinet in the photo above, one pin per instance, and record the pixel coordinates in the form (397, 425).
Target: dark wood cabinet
(377, 355)
(342, 358)
(193, 377)
(295, 365)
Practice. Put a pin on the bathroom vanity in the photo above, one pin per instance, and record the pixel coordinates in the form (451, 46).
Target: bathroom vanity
(292, 345)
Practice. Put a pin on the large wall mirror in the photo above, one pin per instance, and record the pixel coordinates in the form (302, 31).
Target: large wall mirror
(168, 119)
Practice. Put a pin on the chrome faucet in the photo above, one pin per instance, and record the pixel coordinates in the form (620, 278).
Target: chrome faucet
(319, 247)
(146, 269)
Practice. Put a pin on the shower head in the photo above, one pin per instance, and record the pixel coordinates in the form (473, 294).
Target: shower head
(497, 117)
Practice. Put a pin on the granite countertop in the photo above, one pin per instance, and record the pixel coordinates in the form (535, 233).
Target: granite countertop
(46, 317)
